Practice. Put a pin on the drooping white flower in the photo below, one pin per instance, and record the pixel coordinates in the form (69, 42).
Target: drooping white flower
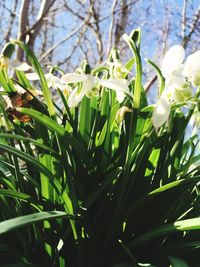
(119, 85)
(172, 60)
(161, 112)
(117, 69)
(87, 88)
(192, 68)
(52, 80)
(6, 63)
(176, 88)
(117, 81)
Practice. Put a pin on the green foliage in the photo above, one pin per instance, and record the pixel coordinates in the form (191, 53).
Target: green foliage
(79, 188)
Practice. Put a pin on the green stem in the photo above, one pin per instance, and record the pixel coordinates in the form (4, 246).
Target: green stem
(138, 79)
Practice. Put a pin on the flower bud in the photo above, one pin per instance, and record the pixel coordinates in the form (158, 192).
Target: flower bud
(4, 62)
(121, 113)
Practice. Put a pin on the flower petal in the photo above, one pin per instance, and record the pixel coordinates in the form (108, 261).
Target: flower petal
(75, 97)
(181, 95)
(120, 85)
(32, 76)
(21, 66)
(161, 112)
(19, 89)
(173, 58)
(192, 64)
(120, 96)
(89, 83)
(192, 68)
(53, 81)
(73, 78)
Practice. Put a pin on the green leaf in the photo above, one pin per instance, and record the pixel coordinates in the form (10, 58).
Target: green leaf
(85, 118)
(138, 79)
(20, 265)
(101, 135)
(8, 50)
(159, 75)
(45, 120)
(173, 185)
(26, 139)
(25, 220)
(6, 82)
(55, 127)
(130, 64)
(20, 196)
(177, 262)
(23, 80)
(41, 168)
(178, 226)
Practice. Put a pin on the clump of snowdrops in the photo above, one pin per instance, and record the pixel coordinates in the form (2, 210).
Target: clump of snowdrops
(91, 175)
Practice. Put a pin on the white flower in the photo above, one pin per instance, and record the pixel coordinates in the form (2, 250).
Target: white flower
(7, 101)
(172, 68)
(119, 85)
(32, 76)
(6, 63)
(117, 69)
(52, 80)
(192, 68)
(176, 89)
(117, 80)
(172, 60)
(161, 112)
(87, 88)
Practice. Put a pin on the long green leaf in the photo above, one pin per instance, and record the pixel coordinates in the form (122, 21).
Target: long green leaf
(26, 139)
(25, 220)
(20, 265)
(20, 196)
(159, 75)
(178, 226)
(54, 126)
(138, 80)
(41, 168)
(45, 120)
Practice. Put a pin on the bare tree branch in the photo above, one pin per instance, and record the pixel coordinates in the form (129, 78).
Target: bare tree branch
(122, 21)
(96, 31)
(10, 24)
(183, 24)
(34, 30)
(75, 31)
(22, 26)
(192, 28)
(110, 34)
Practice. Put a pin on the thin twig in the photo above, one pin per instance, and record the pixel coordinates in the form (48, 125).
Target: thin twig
(75, 31)
(110, 34)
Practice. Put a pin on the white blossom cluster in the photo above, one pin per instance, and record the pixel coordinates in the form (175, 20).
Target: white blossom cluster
(180, 78)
